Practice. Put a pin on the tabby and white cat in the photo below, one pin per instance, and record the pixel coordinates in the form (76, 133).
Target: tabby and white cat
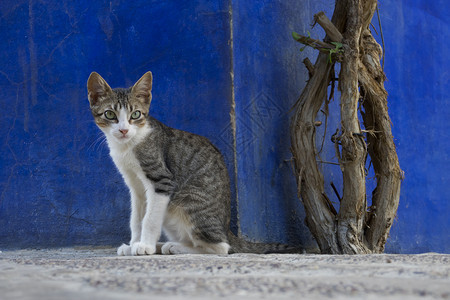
(178, 181)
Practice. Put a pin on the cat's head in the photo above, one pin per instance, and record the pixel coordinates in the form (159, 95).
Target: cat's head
(120, 113)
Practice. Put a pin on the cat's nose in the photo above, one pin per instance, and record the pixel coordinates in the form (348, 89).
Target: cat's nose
(123, 131)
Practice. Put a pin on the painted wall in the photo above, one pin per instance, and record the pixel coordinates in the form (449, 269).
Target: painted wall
(268, 78)
(417, 66)
(58, 186)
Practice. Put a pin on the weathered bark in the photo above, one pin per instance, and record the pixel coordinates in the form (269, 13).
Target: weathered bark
(353, 152)
(385, 197)
(319, 217)
(332, 32)
(353, 230)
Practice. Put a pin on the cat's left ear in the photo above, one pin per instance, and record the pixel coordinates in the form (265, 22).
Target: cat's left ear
(142, 89)
(97, 88)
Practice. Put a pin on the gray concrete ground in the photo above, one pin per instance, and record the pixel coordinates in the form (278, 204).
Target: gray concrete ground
(100, 274)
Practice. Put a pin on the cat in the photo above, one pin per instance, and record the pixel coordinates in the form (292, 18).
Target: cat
(178, 181)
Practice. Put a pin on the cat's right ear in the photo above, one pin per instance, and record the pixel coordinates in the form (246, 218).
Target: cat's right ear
(97, 88)
(142, 89)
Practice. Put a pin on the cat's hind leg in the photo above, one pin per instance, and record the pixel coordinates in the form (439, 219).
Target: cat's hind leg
(190, 232)
(202, 248)
(219, 248)
(177, 248)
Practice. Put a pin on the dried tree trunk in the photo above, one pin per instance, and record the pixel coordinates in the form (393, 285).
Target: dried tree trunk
(353, 230)
(353, 153)
(320, 217)
(381, 146)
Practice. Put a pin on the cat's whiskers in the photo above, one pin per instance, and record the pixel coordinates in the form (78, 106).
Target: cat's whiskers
(99, 142)
(102, 143)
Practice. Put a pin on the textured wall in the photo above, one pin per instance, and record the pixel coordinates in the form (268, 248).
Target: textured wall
(417, 66)
(268, 78)
(58, 186)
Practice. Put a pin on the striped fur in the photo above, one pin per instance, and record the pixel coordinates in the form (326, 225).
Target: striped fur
(178, 181)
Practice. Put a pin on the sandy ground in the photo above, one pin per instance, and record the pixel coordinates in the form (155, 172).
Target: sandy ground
(100, 274)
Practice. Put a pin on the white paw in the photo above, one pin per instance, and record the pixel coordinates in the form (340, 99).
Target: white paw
(124, 250)
(171, 248)
(140, 248)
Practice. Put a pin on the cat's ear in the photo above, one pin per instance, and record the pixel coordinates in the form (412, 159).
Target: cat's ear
(142, 89)
(97, 88)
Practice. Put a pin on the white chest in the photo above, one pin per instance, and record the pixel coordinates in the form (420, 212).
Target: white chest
(125, 160)
(132, 173)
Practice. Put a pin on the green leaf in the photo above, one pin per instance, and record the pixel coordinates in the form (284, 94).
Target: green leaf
(295, 35)
(337, 44)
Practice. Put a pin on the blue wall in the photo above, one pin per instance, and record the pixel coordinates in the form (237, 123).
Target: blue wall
(58, 186)
(417, 66)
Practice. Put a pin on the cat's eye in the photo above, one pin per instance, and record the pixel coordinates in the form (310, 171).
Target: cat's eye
(135, 115)
(110, 115)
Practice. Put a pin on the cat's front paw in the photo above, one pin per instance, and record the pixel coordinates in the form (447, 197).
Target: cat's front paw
(140, 248)
(124, 250)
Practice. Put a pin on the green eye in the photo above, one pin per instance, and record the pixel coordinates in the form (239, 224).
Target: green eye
(135, 115)
(110, 115)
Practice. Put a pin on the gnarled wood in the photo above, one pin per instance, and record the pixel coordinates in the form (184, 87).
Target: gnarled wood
(353, 230)
(332, 32)
(319, 218)
(353, 150)
(385, 198)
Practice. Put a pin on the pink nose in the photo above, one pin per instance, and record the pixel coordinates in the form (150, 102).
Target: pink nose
(123, 131)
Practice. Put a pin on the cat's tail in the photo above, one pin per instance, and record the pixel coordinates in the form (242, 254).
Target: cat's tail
(239, 245)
